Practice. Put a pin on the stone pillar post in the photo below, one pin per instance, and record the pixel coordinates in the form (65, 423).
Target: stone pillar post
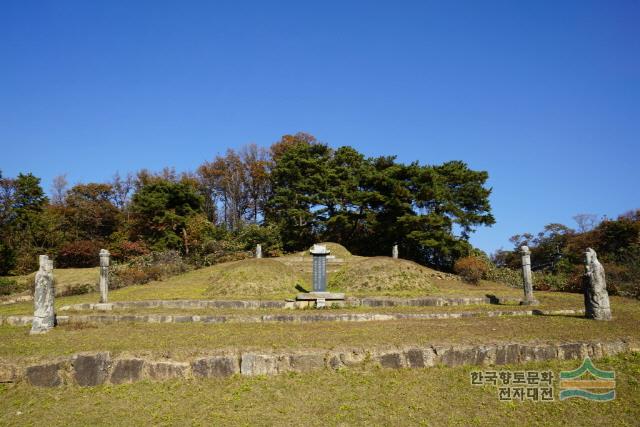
(258, 251)
(43, 298)
(319, 276)
(104, 276)
(394, 252)
(527, 278)
(596, 297)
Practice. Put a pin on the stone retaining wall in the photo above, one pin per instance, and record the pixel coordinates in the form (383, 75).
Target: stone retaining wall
(422, 301)
(91, 369)
(282, 318)
(254, 304)
(16, 299)
(181, 304)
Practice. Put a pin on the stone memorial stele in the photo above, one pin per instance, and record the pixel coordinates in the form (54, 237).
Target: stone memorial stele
(258, 251)
(394, 252)
(596, 298)
(319, 295)
(527, 278)
(104, 276)
(319, 275)
(43, 298)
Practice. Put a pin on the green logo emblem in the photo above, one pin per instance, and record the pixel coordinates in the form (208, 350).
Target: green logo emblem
(596, 385)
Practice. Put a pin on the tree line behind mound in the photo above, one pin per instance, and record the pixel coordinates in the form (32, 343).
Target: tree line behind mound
(296, 192)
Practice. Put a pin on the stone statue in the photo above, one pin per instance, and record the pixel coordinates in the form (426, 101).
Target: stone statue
(527, 278)
(104, 276)
(43, 298)
(596, 298)
(258, 251)
(394, 252)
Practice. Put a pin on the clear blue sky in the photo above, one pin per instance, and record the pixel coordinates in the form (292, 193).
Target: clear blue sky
(544, 95)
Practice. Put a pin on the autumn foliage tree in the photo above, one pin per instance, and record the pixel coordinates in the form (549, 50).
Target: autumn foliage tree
(90, 213)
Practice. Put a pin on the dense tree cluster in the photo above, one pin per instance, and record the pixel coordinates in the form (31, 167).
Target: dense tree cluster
(297, 192)
(370, 204)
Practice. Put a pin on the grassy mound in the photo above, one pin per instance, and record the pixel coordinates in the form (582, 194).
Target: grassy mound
(383, 274)
(257, 277)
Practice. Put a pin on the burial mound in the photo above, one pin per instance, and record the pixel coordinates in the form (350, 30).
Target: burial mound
(253, 277)
(337, 250)
(383, 274)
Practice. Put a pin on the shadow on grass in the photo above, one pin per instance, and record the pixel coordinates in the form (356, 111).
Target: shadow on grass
(495, 300)
(573, 316)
